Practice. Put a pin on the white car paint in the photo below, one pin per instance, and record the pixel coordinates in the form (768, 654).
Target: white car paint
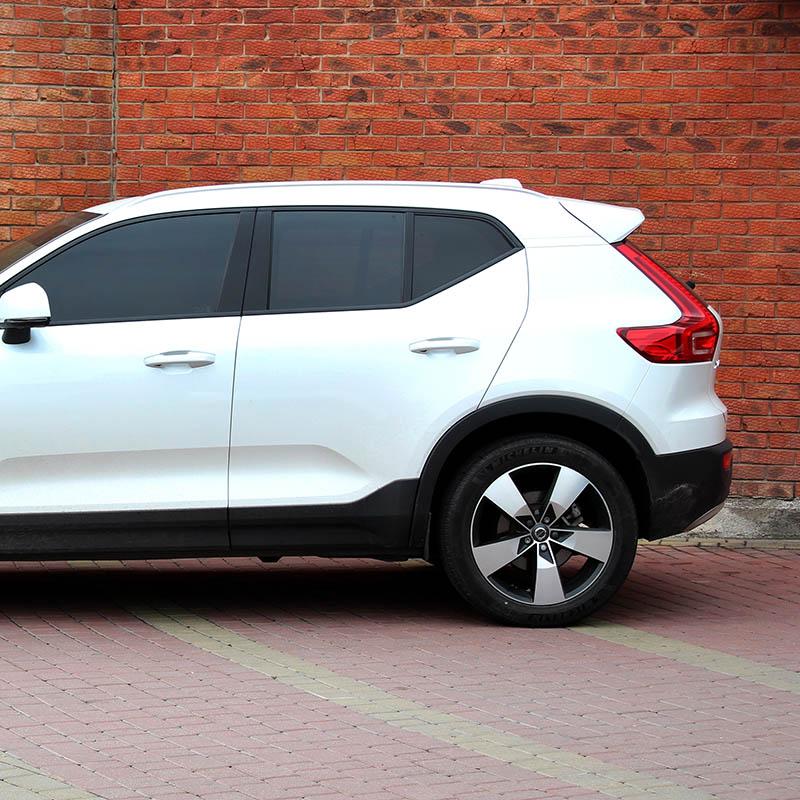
(329, 406)
(571, 348)
(27, 302)
(613, 223)
(85, 425)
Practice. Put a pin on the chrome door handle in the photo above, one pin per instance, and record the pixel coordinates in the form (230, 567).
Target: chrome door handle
(453, 344)
(184, 358)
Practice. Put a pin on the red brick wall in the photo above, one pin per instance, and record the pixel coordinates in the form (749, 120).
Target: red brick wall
(55, 109)
(689, 110)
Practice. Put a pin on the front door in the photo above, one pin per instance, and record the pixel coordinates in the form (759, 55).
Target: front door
(114, 420)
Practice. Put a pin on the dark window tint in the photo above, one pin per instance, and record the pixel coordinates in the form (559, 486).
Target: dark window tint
(145, 270)
(17, 250)
(447, 248)
(336, 259)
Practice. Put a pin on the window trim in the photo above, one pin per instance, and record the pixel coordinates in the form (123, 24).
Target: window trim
(260, 273)
(233, 282)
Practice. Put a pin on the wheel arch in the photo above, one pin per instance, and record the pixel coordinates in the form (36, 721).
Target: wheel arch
(598, 427)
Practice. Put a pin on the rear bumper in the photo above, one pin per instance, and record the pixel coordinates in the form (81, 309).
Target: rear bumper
(686, 487)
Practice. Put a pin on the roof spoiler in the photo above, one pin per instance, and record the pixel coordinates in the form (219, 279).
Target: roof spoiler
(612, 223)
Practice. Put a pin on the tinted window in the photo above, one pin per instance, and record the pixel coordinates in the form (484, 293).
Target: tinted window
(336, 259)
(448, 248)
(16, 250)
(145, 270)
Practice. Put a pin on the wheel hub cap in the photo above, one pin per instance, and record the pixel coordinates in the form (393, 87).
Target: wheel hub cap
(541, 533)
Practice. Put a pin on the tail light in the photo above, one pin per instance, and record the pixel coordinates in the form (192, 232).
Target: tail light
(691, 338)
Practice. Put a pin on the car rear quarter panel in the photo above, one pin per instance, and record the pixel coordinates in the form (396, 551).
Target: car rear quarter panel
(568, 345)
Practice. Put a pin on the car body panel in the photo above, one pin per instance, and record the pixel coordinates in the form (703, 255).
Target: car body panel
(85, 425)
(331, 405)
(572, 348)
(613, 223)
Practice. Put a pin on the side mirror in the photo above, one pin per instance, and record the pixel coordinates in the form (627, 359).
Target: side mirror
(23, 308)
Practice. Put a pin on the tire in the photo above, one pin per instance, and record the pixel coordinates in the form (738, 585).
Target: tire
(537, 531)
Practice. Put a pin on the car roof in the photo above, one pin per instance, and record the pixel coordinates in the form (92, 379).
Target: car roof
(533, 217)
(240, 195)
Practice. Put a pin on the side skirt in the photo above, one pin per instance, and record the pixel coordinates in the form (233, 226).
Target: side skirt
(113, 534)
(377, 526)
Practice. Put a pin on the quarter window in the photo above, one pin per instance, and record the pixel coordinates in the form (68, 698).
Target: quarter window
(447, 248)
(156, 268)
(336, 259)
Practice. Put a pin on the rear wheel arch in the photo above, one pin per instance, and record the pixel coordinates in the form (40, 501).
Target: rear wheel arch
(595, 426)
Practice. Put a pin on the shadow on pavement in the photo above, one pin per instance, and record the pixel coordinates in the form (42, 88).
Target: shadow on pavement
(294, 587)
(299, 588)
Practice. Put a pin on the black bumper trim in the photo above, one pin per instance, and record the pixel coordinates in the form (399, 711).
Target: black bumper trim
(685, 486)
(373, 526)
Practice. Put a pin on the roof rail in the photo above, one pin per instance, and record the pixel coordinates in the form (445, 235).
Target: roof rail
(512, 183)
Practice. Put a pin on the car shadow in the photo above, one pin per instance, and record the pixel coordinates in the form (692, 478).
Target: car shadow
(297, 587)
(293, 588)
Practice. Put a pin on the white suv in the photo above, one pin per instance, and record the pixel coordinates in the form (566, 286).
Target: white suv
(480, 375)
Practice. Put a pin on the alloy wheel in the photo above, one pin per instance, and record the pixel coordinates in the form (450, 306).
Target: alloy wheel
(541, 534)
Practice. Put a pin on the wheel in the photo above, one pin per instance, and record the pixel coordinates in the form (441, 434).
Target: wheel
(537, 531)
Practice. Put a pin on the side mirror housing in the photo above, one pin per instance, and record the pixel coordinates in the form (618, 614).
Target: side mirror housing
(23, 308)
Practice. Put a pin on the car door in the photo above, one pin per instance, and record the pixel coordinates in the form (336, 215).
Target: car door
(375, 331)
(115, 419)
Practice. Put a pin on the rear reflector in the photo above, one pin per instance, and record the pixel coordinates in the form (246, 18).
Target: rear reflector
(692, 338)
(727, 461)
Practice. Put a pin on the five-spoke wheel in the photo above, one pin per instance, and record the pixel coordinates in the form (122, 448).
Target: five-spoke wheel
(530, 527)
(537, 531)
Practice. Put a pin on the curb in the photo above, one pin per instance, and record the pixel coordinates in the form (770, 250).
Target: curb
(711, 541)
(746, 522)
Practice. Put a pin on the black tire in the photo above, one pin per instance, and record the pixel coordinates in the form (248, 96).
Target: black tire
(472, 526)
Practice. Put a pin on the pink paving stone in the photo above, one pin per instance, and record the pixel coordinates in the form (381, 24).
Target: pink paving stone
(111, 705)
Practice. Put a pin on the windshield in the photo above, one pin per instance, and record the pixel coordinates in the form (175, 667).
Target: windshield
(14, 251)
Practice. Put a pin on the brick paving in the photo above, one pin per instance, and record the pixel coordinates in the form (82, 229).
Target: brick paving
(333, 679)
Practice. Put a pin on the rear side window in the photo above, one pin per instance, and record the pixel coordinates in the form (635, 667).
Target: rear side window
(153, 269)
(336, 259)
(447, 248)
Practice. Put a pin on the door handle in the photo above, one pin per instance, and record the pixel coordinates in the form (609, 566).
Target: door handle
(452, 344)
(183, 358)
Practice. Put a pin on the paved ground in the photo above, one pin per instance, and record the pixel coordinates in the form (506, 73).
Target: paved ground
(330, 680)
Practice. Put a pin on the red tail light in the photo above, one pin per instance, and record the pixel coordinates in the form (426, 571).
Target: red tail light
(691, 338)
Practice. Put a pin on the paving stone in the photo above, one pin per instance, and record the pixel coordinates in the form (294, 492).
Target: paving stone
(353, 678)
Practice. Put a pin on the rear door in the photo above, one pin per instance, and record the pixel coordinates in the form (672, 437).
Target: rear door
(367, 333)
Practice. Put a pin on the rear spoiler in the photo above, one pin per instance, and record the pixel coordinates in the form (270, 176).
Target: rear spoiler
(612, 223)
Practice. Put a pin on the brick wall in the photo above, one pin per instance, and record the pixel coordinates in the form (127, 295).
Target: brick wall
(689, 110)
(55, 109)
